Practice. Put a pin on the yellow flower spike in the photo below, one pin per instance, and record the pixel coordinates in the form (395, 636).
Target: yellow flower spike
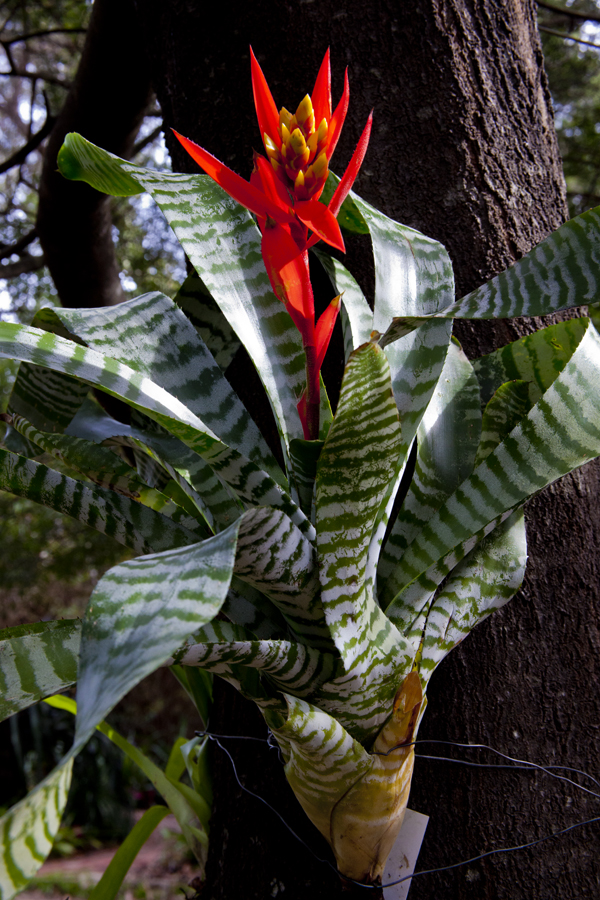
(297, 142)
(285, 134)
(285, 117)
(299, 180)
(305, 116)
(312, 144)
(270, 147)
(322, 132)
(319, 166)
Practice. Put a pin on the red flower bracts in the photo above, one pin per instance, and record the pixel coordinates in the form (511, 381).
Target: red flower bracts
(283, 193)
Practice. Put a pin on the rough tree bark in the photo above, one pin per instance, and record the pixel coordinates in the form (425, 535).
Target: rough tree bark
(107, 103)
(463, 149)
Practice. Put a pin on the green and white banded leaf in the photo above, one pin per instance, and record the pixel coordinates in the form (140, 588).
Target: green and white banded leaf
(140, 612)
(27, 831)
(504, 411)
(413, 273)
(276, 558)
(537, 358)
(486, 579)
(47, 399)
(36, 661)
(322, 760)
(560, 273)
(196, 301)
(291, 666)
(107, 470)
(223, 243)
(447, 441)
(128, 522)
(168, 456)
(176, 358)
(353, 473)
(560, 433)
(251, 483)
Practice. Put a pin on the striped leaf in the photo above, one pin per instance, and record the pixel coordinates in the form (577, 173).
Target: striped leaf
(447, 441)
(505, 410)
(167, 455)
(140, 612)
(290, 666)
(276, 558)
(127, 521)
(194, 298)
(27, 831)
(353, 473)
(244, 477)
(223, 243)
(486, 579)
(356, 799)
(413, 273)
(47, 399)
(560, 433)
(105, 469)
(537, 358)
(176, 358)
(36, 661)
(561, 272)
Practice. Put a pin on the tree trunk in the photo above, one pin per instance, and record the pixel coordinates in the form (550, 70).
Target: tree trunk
(463, 149)
(106, 104)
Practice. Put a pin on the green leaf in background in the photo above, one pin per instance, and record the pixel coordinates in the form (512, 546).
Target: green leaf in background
(114, 875)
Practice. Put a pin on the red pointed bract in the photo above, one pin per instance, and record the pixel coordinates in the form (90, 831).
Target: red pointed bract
(349, 176)
(320, 220)
(266, 111)
(338, 118)
(272, 186)
(242, 191)
(321, 95)
(324, 329)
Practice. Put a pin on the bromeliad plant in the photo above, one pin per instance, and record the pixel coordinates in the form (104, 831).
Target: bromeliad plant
(295, 585)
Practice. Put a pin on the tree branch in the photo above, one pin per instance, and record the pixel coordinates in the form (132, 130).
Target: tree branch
(145, 141)
(571, 13)
(35, 140)
(27, 263)
(107, 103)
(567, 37)
(34, 34)
(8, 249)
(43, 76)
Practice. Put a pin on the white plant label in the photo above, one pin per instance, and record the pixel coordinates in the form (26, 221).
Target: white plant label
(403, 858)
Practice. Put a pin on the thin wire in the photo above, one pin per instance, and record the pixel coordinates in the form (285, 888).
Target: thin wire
(466, 862)
(523, 765)
(214, 738)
